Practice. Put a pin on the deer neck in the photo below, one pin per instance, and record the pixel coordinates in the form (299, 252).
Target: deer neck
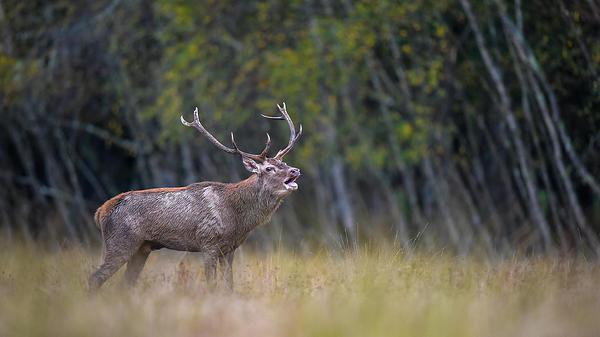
(253, 203)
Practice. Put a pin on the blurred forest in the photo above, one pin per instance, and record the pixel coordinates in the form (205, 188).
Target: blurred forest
(469, 125)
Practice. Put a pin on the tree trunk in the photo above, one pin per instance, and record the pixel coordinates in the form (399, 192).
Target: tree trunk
(506, 110)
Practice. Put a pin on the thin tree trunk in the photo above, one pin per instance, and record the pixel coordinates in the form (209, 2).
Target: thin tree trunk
(476, 227)
(539, 148)
(54, 182)
(6, 47)
(477, 182)
(441, 202)
(529, 59)
(187, 163)
(325, 214)
(336, 171)
(405, 171)
(76, 192)
(506, 109)
(405, 90)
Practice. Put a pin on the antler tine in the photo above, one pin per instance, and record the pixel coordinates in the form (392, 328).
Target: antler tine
(258, 157)
(293, 136)
(288, 119)
(299, 133)
(267, 147)
(272, 117)
(288, 148)
(198, 126)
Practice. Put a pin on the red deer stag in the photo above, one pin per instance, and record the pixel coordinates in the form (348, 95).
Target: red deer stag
(209, 217)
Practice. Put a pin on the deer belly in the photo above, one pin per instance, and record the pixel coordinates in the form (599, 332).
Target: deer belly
(174, 233)
(177, 240)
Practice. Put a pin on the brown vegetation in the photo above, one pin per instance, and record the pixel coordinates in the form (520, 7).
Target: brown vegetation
(380, 292)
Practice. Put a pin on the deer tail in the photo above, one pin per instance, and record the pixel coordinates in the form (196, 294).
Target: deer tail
(97, 218)
(103, 212)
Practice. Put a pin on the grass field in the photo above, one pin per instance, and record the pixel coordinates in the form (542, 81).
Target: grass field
(382, 293)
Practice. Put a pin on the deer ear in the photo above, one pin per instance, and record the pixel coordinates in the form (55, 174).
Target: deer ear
(250, 165)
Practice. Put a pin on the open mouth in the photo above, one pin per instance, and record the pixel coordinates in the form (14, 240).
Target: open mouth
(290, 184)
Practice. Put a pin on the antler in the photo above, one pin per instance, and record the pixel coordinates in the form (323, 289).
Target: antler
(262, 156)
(293, 137)
(198, 126)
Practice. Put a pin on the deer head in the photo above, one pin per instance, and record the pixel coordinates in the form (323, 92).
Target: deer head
(273, 174)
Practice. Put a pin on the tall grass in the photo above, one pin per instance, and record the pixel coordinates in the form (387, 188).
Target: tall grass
(384, 293)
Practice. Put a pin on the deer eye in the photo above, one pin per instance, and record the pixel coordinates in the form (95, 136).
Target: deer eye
(270, 169)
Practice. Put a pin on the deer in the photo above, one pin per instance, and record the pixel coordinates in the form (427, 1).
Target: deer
(212, 218)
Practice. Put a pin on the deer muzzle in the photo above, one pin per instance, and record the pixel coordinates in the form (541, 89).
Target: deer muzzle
(290, 183)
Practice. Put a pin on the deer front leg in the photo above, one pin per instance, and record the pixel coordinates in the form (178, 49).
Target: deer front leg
(210, 269)
(226, 263)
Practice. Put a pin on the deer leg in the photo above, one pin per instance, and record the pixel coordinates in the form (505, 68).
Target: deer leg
(115, 256)
(226, 264)
(136, 264)
(210, 269)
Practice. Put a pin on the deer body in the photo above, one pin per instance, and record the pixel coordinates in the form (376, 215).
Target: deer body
(208, 217)
(201, 217)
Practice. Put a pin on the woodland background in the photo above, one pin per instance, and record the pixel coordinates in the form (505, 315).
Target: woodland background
(471, 126)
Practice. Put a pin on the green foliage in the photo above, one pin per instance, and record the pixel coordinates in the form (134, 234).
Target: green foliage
(310, 65)
(94, 92)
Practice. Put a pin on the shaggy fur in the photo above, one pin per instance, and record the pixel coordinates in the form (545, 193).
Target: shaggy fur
(209, 217)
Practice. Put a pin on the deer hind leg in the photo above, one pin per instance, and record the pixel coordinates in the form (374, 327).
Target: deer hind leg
(115, 256)
(136, 264)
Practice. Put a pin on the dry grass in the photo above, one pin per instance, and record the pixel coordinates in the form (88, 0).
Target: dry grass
(281, 294)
